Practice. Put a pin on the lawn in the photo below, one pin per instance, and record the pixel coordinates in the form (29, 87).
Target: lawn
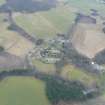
(46, 23)
(22, 91)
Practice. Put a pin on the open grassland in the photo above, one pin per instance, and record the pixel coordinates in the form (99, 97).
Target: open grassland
(12, 41)
(46, 68)
(73, 73)
(46, 23)
(22, 91)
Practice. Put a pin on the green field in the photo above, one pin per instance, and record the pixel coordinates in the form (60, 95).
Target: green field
(42, 67)
(2, 2)
(12, 41)
(57, 20)
(47, 23)
(74, 73)
(22, 91)
(44, 24)
(86, 5)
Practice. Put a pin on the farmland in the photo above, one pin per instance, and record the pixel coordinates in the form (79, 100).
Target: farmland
(22, 91)
(47, 68)
(11, 41)
(85, 6)
(26, 78)
(48, 23)
(14, 45)
(74, 73)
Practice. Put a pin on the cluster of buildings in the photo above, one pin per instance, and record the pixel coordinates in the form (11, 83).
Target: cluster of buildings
(51, 53)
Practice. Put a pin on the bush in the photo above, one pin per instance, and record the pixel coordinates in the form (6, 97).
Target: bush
(64, 90)
(1, 49)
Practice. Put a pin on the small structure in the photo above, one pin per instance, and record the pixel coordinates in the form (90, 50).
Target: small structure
(50, 55)
(97, 67)
(89, 91)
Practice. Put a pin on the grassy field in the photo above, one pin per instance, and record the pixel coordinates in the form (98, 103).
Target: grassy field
(57, 20)
(22, 91)
(70, 72)
(46, 68)
(86, 5)
(12, 41)
(88, 79)
(30, 91)
(74, 73)
(101, 82)
(47, 23)
(2, 2)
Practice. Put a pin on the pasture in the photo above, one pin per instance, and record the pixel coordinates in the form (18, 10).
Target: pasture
(85, 5)
(47, 23)
(30, 91)
(22, 91)
(42, 67)
(74, 73)
(12, 41)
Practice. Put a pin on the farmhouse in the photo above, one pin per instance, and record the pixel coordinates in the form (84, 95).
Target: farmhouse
(50, 55)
